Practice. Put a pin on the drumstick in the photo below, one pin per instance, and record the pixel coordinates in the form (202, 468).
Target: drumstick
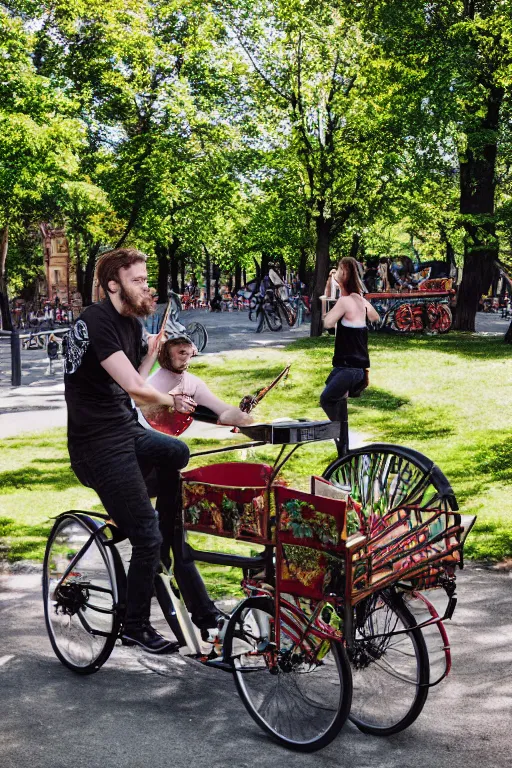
(165, 318)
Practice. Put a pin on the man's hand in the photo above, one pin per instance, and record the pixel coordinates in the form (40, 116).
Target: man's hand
(184, 403)
(154, 341)
(234, 417)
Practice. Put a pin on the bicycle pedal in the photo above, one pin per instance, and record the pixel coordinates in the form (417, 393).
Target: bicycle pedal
(210, 635)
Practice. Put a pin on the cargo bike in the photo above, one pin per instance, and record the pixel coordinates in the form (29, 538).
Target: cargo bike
(325, 631)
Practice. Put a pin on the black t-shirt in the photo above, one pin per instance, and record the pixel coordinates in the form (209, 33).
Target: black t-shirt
(99, 410)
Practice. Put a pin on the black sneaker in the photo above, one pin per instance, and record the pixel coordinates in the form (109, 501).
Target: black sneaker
(149, 639)
(210, 621)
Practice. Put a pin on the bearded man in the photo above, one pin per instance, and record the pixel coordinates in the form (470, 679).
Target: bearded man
(107, 364)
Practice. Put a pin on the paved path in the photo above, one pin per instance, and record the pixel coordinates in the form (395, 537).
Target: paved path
(142, 711)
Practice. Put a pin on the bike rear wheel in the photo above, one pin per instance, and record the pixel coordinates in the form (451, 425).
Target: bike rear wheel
(81, 604)
(391, 674)
(300, 694)
(390, 671)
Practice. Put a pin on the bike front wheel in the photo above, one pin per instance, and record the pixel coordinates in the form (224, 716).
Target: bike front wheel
(390, 666)
(300, 694)
(81, 601)
(198, 334)
(271, 317)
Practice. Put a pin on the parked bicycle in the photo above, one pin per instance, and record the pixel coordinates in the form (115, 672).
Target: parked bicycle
(195, 331)
(324, 632)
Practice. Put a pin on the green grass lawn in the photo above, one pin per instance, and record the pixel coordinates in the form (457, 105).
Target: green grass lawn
(449, 397)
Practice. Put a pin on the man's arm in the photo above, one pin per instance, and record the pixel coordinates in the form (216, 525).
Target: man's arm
(154, 342)
(122, 371)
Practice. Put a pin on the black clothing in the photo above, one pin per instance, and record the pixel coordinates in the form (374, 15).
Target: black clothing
(124, 476)
(113, 454)
(339, 384)
(148, 638)
(98, 408)
(351, 347)
(349, 362)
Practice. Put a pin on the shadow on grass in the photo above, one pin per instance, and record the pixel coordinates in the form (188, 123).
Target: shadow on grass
(32, 478)
(379, 400)
(465, 345)
(457, 343)
(24, 542)
(495, 460)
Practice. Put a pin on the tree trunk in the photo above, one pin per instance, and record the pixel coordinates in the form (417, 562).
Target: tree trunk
(79, 265)
(207, 270)
(323, 232)
(89, 274)
(174, 263)
(477, 187)
(238, 278)
(182, 273)
(163, 272)
(4, 297)
(354, 246)
(508, 335)
(303, 261)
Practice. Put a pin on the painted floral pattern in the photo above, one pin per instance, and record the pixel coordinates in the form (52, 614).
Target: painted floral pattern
(222, 512)
(305, 522)
(319, 572)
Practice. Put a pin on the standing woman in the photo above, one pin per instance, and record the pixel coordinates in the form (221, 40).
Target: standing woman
(349, 316)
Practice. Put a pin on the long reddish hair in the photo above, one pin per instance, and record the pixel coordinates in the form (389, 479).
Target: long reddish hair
(352, 282)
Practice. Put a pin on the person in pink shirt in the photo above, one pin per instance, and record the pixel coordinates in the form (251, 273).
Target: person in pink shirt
(189, 394)
(173, 377)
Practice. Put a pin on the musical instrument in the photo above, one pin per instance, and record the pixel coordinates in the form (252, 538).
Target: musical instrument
(292, 432)
(175, 423)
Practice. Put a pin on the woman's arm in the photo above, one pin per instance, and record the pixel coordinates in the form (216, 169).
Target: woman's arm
(373, 315)
(335, 313)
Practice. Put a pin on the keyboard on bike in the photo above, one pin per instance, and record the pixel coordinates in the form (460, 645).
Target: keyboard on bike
(293, 431)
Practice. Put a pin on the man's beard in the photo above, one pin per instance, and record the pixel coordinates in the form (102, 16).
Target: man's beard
(181, 369)
(133, 307)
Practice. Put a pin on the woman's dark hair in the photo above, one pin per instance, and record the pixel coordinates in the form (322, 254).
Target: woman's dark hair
(111, 262)
(352, 282)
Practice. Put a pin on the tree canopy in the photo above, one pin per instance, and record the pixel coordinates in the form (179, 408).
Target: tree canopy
(247, 130)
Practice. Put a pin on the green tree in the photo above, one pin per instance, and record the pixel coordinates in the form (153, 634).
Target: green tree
(39, 139)
(464, 52)
(326, 92)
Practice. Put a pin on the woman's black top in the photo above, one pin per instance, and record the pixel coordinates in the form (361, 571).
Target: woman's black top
(351, 347)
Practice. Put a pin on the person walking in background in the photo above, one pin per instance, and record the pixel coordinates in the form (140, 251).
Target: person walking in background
(383, 270)
(351, 360)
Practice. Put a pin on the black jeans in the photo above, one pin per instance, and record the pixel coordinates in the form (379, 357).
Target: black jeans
(124, 476)
(337, 386)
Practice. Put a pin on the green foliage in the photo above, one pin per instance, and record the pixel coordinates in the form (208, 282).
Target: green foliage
(252, 129)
